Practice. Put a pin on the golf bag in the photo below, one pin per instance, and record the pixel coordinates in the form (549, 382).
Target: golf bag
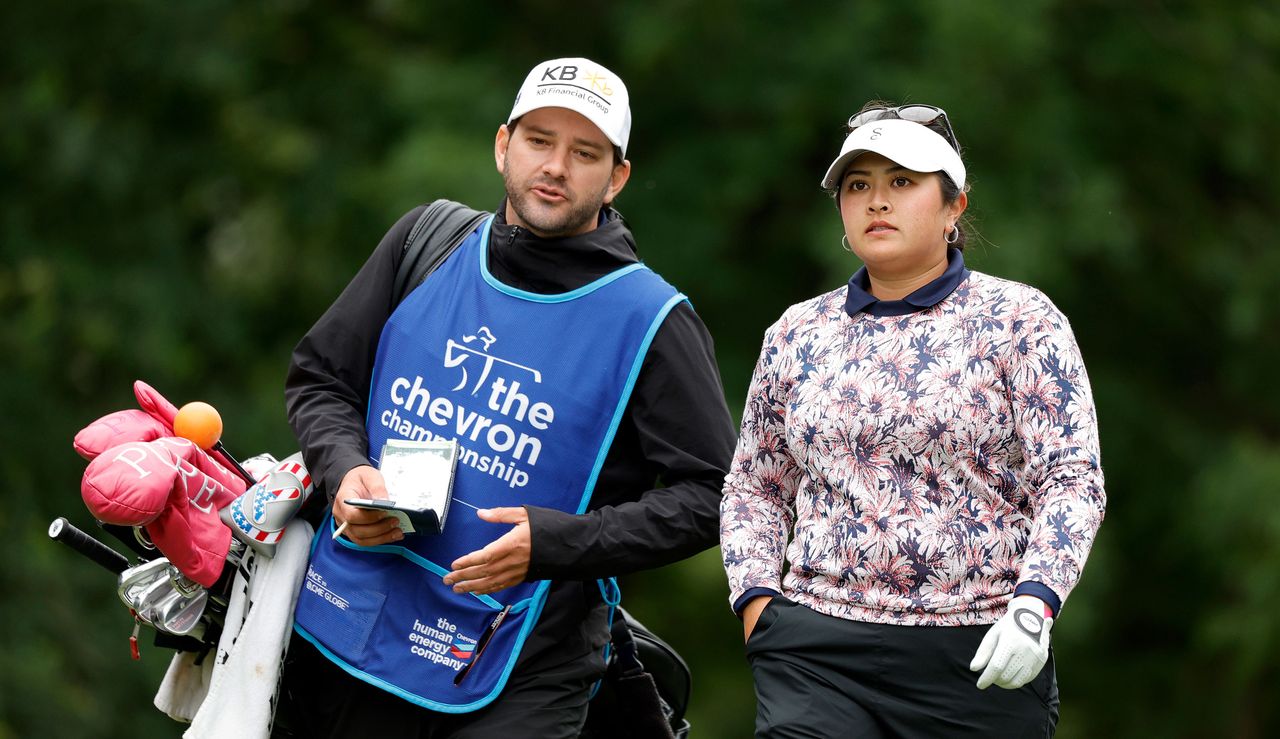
(218, 559)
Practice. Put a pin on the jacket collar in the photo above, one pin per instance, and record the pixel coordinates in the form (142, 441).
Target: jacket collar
(611, 236)
(523, 260)
(859, 298)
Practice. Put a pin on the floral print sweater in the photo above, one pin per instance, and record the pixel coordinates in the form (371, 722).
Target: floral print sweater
(915, 469)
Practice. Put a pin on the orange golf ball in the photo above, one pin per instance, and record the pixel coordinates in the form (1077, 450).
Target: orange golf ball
(200, 423)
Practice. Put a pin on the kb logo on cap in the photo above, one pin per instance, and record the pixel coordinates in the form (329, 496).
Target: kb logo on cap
(568, 73)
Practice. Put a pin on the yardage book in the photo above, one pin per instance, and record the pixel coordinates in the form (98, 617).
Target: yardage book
(419, 478)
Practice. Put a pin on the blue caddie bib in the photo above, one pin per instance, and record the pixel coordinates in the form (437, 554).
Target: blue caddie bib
(532, 387)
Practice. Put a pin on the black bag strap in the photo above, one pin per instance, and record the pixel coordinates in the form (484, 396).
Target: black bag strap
(441, 228)
(635, 707)
(643, 649)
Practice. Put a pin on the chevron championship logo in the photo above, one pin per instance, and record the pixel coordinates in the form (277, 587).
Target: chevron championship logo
(494, 412)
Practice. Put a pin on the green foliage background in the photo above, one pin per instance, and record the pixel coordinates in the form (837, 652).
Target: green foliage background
(187, 185)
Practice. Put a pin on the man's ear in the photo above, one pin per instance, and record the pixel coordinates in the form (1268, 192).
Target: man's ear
(617, 180)
(500, 143)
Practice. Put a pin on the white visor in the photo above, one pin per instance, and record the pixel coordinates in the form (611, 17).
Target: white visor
(905, 143)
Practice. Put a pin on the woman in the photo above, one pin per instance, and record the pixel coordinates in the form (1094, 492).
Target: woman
(922, 444)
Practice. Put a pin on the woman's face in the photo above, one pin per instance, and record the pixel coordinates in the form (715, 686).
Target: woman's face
(894, 218)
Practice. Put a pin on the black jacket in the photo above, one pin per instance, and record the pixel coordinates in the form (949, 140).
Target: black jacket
(676, 428)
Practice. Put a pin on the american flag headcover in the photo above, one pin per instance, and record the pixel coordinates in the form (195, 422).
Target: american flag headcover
(259, 516)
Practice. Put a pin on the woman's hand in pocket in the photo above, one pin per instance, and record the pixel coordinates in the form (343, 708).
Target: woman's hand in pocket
(751, 613)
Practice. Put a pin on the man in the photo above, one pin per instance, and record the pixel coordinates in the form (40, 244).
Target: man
(591, 379)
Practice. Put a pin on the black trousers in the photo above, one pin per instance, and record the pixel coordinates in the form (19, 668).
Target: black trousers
(546, 696)
(820, 676)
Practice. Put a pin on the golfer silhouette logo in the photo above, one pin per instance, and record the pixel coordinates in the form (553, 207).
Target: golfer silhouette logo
(477, 345)
(484, 335)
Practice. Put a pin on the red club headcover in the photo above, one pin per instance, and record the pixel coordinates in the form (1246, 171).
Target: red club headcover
(154, 421)
(155, 404)
(174, 489)
(117, 428)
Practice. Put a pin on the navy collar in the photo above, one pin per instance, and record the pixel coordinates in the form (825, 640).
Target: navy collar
(860, 299)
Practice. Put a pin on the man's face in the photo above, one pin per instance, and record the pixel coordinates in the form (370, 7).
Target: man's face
(559, 171)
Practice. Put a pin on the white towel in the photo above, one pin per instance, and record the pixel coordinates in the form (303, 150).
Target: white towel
(184, 686)
(232, 694)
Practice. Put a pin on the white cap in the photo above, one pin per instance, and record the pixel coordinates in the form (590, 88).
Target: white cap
(584, 87)
(906, 143)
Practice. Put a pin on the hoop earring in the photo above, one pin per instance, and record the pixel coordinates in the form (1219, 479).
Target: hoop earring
(953, 235)
(844, 243)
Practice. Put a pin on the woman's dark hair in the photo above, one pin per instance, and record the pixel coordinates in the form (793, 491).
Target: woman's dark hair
(950, 192)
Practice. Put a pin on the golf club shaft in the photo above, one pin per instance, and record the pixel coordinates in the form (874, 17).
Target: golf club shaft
(128, 536)
(62, 530)
(232, 460)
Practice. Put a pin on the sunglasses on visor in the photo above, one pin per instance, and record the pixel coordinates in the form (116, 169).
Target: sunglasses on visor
(922, 114)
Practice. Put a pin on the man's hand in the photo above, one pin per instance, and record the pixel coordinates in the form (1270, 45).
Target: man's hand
(751, 614)
(501, 564)
(365, 527)
(1015, 649)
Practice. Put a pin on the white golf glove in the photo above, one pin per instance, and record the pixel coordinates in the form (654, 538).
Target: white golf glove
(1017, 646)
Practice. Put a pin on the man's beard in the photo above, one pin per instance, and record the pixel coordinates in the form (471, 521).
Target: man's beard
(549, 225)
